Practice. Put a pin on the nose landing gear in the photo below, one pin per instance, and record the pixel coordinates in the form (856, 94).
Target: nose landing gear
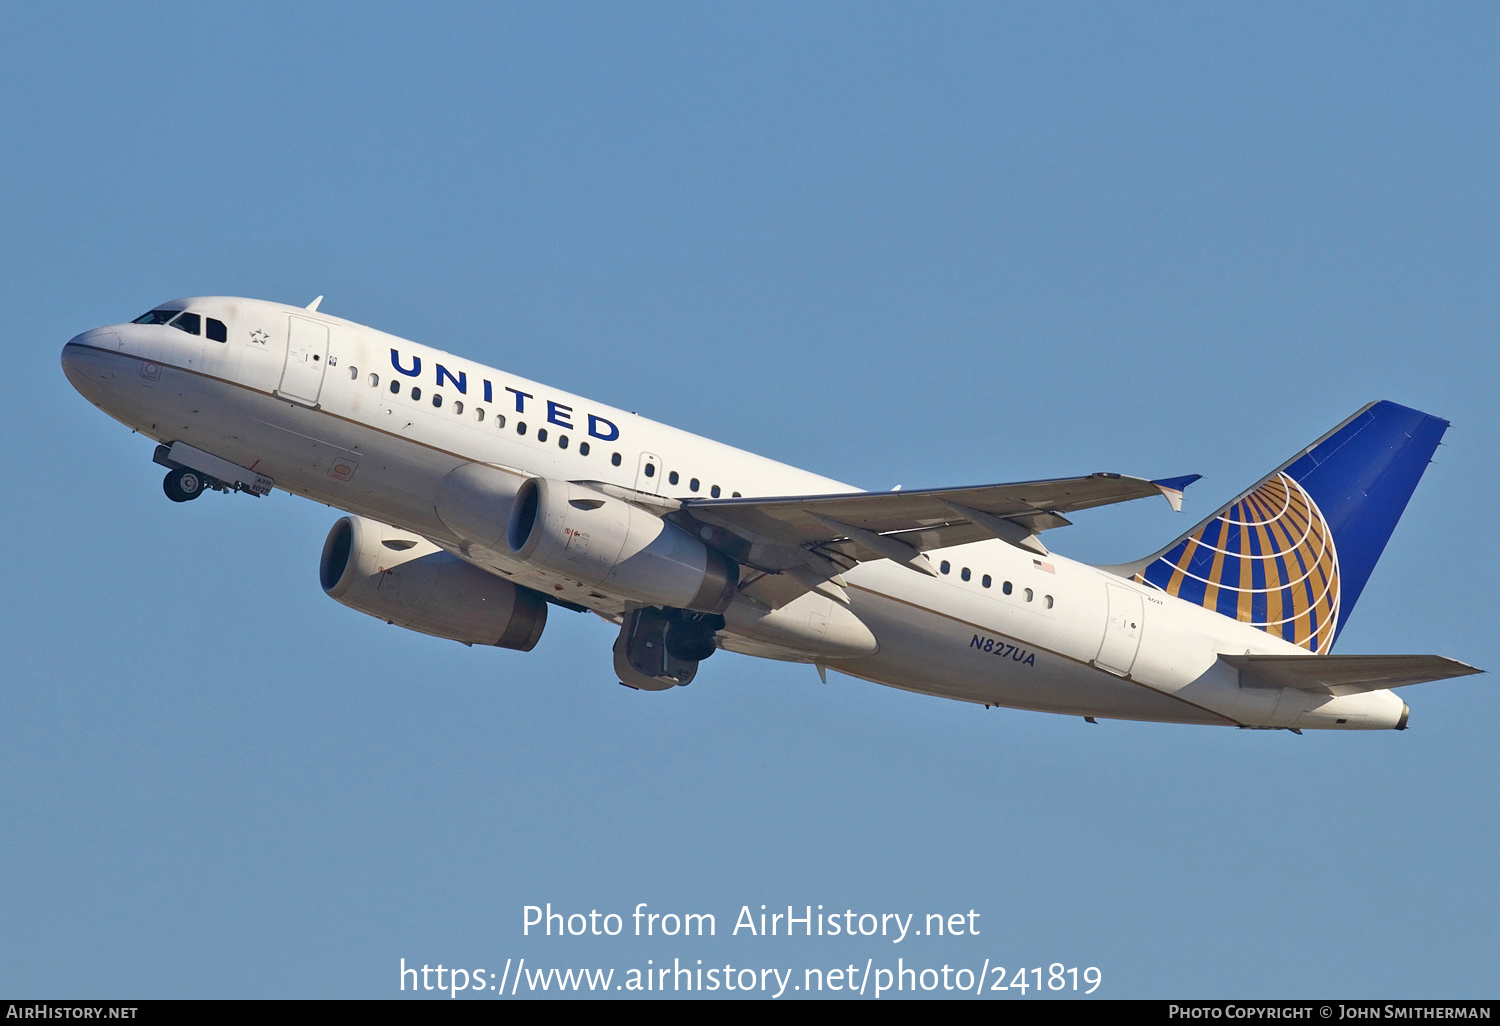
(194, 471)
(183, 485)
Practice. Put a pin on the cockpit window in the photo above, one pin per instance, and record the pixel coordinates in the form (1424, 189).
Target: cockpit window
(190, 323)
(218, 333)
(156, 317)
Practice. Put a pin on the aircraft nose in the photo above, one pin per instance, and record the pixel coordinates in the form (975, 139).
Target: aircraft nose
(85, 356)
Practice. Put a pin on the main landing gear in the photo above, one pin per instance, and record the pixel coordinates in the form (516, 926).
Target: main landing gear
(183, 485)
(661, 648)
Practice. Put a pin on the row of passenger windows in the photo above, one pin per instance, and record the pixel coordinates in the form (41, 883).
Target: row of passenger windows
(541, 433)
(479, 413)
(986, 581)
(673, 478)
(191, 323)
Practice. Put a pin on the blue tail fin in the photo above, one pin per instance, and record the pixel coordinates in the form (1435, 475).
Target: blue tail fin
(1292, 554)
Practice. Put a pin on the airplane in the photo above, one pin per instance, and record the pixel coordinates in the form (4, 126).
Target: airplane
(478, 500)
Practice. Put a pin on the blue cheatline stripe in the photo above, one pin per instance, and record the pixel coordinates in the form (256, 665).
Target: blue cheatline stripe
(1258, 602)
(1202, 561)
(1233, 545)
(1192, 590)
(1283, 578)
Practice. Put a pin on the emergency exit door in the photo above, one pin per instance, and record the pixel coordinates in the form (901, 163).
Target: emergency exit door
(648, 474)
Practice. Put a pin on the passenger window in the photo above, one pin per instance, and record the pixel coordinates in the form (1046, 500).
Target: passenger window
(693, 485)
(395, 387)
(614, 459)
(479, 413)
(944, 567)
(651, 470)
(672, 477)
(499, 420)
(188, 322)
(374, 380)
(520, 427)
(458, 406)
(1028, 595)
(218, 333)
(541, 434)
(1006, 587)
(964, 573)
(986, 580)
(714, 491)
(736, 495)
(583, 448)
(1048, 600)
(562, 441)
(416, 393)
(156, 317)
(437, 400)
(353, 373)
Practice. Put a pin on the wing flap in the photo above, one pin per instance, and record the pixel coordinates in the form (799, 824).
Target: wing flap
(1346, 674)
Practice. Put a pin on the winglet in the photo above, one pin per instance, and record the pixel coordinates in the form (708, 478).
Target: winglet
(1173, 487)
(314, 304)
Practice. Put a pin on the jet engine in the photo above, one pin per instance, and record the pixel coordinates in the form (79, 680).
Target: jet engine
(609, 544)
(408, 581)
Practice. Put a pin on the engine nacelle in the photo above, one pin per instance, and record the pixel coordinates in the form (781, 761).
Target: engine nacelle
(609, 544)
(408, 581)
(474, 502)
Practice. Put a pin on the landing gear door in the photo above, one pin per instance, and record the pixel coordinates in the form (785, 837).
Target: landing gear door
(1122, 631)
(306, 360)
(648, 474)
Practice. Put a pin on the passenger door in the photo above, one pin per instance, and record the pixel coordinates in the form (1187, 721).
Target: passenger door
(1122, 631)
(306, 361)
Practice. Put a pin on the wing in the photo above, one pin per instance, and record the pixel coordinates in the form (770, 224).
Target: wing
(1346, 674)
(833, 532)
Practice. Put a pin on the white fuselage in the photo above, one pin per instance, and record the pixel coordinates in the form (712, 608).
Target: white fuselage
(1070, 639)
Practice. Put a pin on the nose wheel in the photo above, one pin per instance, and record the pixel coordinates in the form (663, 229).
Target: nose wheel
(183, 485)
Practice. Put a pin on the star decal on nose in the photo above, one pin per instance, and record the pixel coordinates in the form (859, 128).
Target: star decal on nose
(259, 337)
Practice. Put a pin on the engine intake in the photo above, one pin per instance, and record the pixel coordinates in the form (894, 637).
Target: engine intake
(406, 580)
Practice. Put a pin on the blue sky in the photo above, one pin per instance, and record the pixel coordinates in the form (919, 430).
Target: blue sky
(917, 245)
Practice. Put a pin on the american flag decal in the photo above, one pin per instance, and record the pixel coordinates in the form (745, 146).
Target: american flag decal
(1046, 567)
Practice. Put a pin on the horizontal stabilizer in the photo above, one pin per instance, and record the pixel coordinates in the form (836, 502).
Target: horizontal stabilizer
(1345, 674)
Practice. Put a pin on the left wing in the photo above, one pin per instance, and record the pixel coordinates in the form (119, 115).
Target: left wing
(836, 531)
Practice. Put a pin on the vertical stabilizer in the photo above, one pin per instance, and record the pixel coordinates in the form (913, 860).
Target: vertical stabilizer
(1292, 555)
